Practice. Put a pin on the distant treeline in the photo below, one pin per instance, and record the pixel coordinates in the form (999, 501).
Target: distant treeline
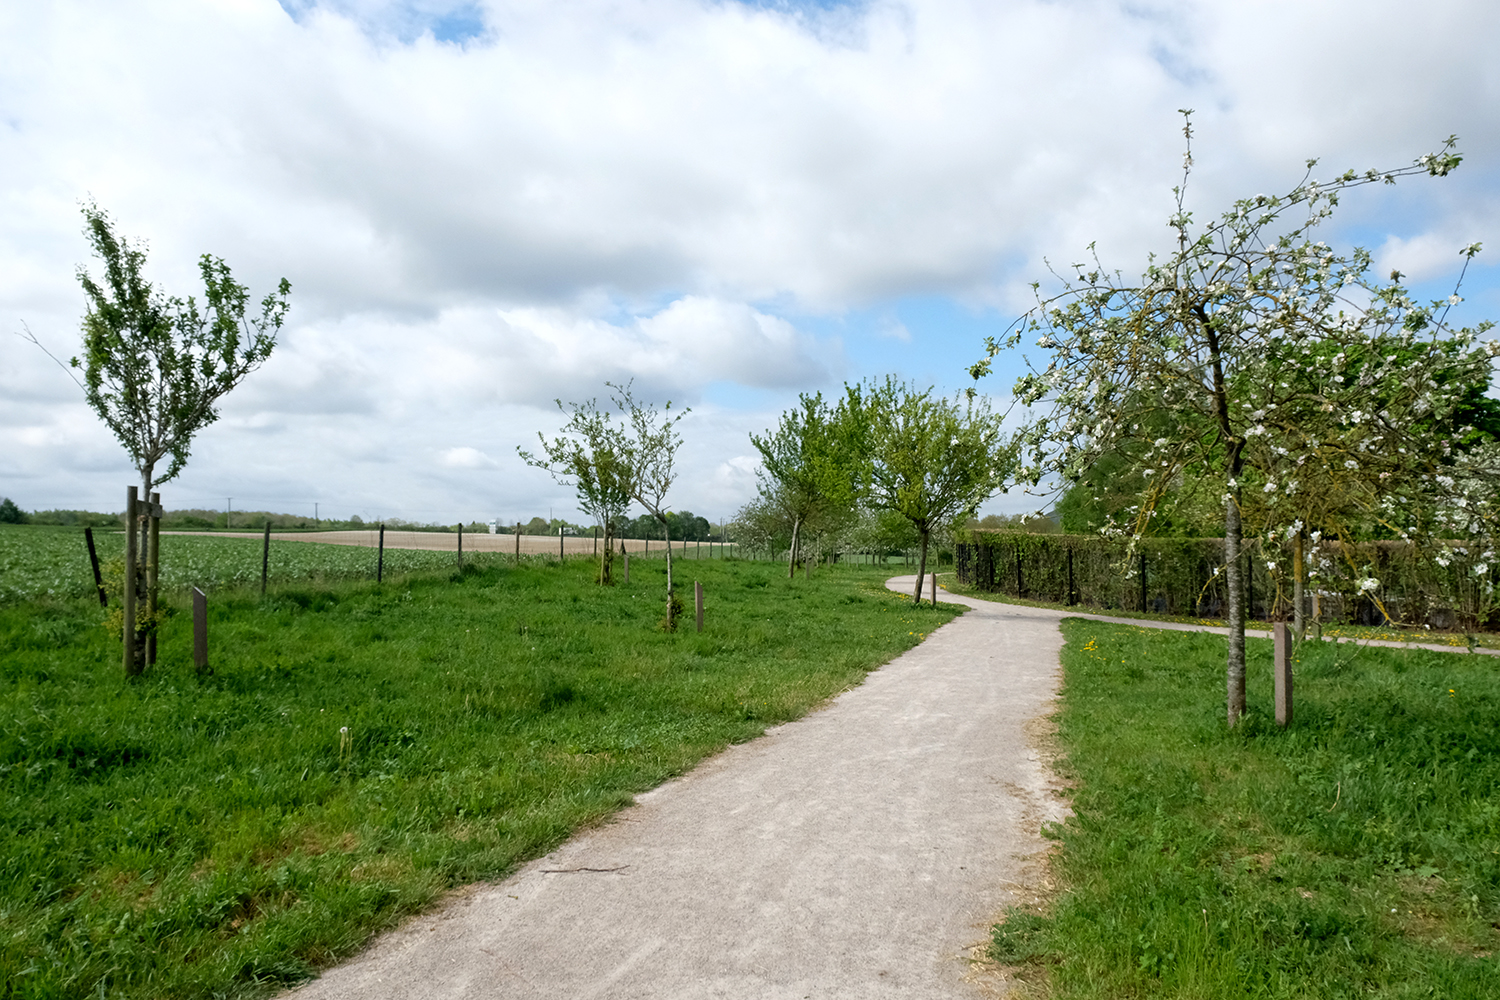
(685, 525)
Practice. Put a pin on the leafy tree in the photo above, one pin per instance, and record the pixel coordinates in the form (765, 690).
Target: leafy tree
(10, 513)
(1257, 361)
(931, 460)
(647, 455)
(808, 469)
(154, 367)
(589, 455)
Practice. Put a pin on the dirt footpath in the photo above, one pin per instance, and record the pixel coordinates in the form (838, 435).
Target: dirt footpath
(862, 851)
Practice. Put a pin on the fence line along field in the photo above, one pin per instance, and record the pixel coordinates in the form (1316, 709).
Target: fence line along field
(505, 543)
(38, 561)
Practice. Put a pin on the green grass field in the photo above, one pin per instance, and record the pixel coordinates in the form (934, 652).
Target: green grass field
(359, 749)
(1354, 854)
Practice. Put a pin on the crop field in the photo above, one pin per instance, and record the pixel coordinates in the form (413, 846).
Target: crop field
(53, 562)
(358, 750)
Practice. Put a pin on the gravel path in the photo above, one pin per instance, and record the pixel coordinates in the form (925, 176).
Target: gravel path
(860, 852)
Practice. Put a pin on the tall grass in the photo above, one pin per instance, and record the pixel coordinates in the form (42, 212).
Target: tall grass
(1354, 854)
(360, 749)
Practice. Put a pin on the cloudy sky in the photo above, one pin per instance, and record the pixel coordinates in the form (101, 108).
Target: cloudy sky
(484, 206)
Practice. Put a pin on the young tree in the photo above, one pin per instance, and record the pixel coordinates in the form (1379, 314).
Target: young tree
(931, 460)
(808, 469)
(588, 455)
(647, 453)
(154, 367)
(1247, 354)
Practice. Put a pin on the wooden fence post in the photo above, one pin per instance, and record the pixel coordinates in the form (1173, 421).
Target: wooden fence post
(265, 557)
(200, 631)
(627, 563)
(460, 545)
(380, 557)
(698, 602)
(1283, 636)
(128, 602)
(518, 543)
(88, 537)
(559, 543)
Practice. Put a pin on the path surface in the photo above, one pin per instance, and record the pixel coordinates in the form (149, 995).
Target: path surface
(860, 852)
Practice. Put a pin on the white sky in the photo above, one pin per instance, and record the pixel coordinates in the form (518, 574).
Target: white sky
(485, 206)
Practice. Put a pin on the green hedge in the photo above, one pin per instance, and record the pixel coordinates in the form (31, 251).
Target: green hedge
(1184, 576)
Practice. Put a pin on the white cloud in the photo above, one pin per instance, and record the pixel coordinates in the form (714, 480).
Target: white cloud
(464, 457)
(665, 190)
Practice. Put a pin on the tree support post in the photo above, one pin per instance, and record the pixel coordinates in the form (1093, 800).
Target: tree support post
(1283, 636)
(265, 557)
(128, 599)
(698, 602)
(153, 566)
(460, 545)
(380, 556)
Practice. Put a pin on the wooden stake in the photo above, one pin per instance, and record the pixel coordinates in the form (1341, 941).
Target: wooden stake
(1282, 634)
(460, 546)
(153, 565)
(200, 631)
(130, 581)
(698, 601)
(934, 590)
(627, 567)
(88, 537)
(559, 543)
(518, 543)
(265, 557)
(380, 557)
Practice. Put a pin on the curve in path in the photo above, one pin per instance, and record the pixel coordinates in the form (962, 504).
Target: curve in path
(860, 852)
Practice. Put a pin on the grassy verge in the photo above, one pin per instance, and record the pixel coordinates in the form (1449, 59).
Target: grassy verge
(1356, 853)
(358, 750)
(1457, 640)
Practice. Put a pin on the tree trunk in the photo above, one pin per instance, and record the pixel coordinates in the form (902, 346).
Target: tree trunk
(1299, 620)
(1235, 670)
(606, 576)
(791, 556)
(921, 568)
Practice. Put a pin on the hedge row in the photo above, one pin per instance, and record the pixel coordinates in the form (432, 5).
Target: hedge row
(1185, 576)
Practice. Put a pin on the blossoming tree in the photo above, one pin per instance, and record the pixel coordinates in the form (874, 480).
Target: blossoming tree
(1265, 363)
